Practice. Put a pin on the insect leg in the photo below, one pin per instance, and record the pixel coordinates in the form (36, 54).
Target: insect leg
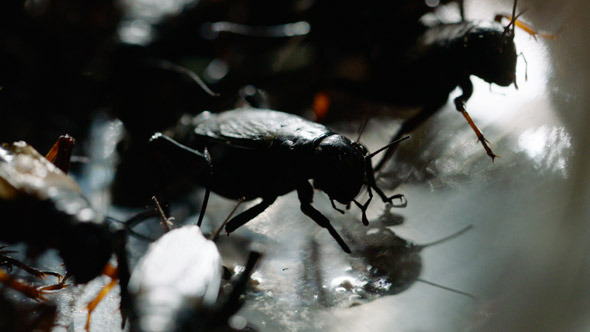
(234, 301)
(460, 101)
(527, 28)
(60, 152)
(184, 159)
(248, 215)
(371, 183)
(134, 221)
(305, 194)
(461, 5)
(121, 274)
(9, 261)
(36, 293)
(207, 191)
(92, 305)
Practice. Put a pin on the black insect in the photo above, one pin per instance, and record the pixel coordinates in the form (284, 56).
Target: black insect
(176, 285)
(254, 153)
(443, 58)
(47, 210)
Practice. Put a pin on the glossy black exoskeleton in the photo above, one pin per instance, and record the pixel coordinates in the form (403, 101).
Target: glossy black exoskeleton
(176, 285)
(48, 211)
(255, 153)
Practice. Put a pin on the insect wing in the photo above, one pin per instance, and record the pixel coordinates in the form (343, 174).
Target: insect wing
(257, 128)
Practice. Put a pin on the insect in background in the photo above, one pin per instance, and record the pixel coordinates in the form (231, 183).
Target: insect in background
(418, 68)
(443, 58)
(176, 285)
(257, 153)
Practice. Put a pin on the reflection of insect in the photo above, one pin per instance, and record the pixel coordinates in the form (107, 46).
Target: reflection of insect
(254, 153)
(51, 212)
(385, 264)
(175, 286)
(394, 261)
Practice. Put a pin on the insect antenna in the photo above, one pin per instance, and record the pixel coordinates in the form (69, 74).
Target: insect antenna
(207, 190)
(362, 129)
(166, 222)
(167, 65)
(134, 221)
(512, 23)
(447, 238)
(216, 234)
(373, 154)
(452, 290)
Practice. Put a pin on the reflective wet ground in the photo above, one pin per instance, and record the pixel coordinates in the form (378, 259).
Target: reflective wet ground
(523, 263)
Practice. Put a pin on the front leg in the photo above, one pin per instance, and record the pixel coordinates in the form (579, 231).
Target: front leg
(305, 194)
(467, 88)
(249, 214)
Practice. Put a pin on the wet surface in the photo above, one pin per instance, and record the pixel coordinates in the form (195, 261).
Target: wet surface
(526, 210)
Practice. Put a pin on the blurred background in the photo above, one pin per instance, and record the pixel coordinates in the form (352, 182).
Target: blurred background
(106, 73)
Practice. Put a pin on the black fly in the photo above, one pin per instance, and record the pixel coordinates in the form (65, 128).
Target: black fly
(255, 153)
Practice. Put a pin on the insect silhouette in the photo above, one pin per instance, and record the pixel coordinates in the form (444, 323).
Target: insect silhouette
(443, 58)
(50, 212)
(395, 261)
(255, 153)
